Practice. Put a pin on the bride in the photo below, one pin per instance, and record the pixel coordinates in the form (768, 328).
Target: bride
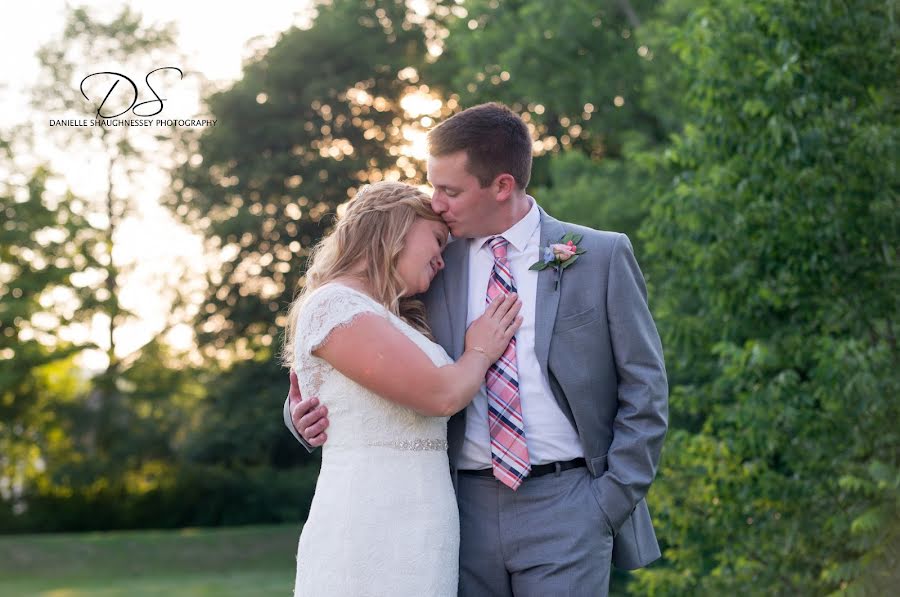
(384, 518)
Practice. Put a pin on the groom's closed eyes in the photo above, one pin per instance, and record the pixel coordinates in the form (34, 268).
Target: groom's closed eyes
(446, 190)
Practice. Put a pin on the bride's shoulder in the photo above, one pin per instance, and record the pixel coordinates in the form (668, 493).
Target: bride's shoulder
(335, 296)
(328, 307)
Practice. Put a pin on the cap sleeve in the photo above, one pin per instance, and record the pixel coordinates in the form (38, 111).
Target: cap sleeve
(329, 308)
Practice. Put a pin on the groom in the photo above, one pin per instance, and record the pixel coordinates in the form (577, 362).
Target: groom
(552, 459)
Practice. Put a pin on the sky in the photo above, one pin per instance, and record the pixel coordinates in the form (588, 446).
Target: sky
(214, 37)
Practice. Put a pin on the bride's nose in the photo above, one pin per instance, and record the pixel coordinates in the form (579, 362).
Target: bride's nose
(439, 263)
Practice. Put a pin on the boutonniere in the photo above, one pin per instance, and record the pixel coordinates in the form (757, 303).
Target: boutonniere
(559, 255)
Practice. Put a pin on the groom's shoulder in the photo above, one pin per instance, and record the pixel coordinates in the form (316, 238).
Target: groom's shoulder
(591, 237)
(457, 243)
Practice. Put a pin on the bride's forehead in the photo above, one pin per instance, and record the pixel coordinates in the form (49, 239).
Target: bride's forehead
(435, 226)
(429, 227)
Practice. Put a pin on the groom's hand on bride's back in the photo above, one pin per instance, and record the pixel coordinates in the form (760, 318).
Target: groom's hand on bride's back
(310, 419)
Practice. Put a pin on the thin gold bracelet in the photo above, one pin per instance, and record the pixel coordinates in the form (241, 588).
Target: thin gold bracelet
(482, 351)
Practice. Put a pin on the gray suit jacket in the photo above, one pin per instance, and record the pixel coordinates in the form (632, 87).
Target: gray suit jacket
(598, 346)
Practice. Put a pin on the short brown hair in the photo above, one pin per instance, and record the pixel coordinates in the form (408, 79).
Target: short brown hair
(496, 141)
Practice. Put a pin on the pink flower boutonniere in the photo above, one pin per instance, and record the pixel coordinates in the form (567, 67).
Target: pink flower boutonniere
(559, 255)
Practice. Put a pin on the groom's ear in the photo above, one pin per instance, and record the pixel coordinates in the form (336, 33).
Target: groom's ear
(504, 186)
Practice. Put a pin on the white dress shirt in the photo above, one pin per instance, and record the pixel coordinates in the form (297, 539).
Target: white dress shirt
(548, 434)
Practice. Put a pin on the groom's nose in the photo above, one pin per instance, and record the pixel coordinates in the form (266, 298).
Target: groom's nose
(437, 203)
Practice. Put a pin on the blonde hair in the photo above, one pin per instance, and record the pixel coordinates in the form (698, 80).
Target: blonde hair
(373, 232)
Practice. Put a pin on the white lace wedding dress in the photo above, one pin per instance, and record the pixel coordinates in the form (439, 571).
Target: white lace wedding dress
(384, 519)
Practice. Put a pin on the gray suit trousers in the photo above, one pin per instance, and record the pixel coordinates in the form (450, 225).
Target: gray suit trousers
(549, 537)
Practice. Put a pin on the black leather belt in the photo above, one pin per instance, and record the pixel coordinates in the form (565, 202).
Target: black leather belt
(537, 470)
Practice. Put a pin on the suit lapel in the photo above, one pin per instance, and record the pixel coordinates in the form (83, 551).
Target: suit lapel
(456, 297)
(547, 293)
(456, 291)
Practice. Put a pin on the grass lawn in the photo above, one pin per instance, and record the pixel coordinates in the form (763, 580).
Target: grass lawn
(245, 561)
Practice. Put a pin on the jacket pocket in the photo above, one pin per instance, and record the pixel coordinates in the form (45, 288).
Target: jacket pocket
(598, 466)
(592, 486)
(570, 322)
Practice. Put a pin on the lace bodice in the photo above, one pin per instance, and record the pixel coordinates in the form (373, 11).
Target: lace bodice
(356, 415)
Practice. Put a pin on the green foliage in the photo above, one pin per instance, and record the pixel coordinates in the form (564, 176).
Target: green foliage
(774, 259)
(607, 194)
(573, 60)
(43, 244)
(314, 117)
(240, 424)
(159, 495)
(564, 69)
(43, 249)
(88, 41)
(58, 251)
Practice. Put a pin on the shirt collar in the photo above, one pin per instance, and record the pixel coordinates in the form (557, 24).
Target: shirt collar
(519, 233)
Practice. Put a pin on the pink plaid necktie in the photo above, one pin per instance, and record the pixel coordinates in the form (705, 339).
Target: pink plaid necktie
(509, 453)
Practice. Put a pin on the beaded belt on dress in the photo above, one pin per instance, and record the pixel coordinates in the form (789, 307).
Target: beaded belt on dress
(413, 444)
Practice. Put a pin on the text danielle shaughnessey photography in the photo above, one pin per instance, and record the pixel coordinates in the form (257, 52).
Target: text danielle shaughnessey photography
(122, 122)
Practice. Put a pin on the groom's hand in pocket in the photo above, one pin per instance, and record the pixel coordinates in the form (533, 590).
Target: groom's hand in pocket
(310, 419)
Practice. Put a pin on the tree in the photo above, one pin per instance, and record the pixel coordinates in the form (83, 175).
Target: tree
(774, 259)
(576, 70)
(46, 248)
(313, 118)
(68, 437)
(591, 81)
(91, 45)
